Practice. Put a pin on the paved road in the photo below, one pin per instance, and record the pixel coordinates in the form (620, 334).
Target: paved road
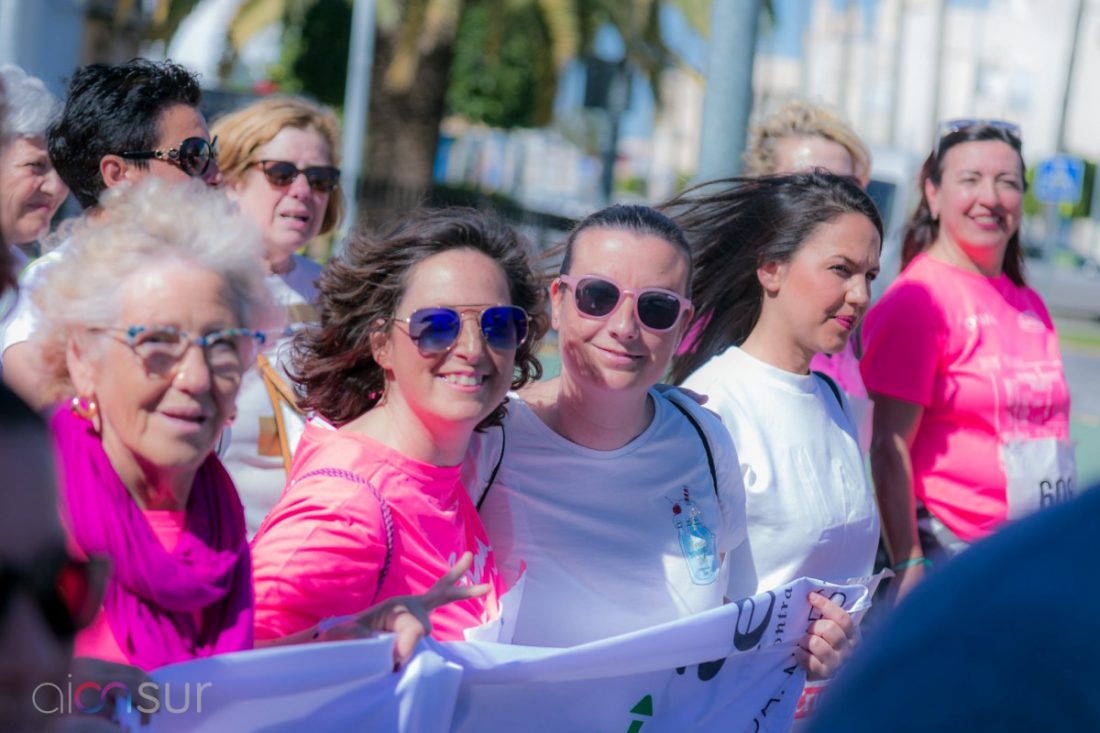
(1083, 373)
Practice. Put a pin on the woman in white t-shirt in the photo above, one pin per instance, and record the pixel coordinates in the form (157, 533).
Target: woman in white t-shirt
(279, 158)
(785, 264)
(623, 503)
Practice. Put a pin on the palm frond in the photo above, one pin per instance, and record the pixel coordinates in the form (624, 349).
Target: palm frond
(252, 17)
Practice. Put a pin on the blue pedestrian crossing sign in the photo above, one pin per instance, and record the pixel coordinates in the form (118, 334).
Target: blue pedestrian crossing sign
(1058, 180)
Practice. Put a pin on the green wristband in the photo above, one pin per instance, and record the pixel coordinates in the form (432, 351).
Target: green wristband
(913, 561)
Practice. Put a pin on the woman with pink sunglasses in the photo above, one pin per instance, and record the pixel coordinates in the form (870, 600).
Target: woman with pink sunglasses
(621, 505)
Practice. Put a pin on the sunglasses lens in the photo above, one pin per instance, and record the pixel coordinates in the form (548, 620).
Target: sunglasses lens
(658, 311)
(434, 329)
(194, 156)
(279, 173)
(596, 297)
(323, 178)
(504, 326)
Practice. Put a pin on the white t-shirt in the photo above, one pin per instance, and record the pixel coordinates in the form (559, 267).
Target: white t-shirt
(811, 510)
(24, 318)
(260, 478)
(603, 533)
(9, 298)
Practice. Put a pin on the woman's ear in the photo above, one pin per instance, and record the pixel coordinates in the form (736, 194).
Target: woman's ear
(771, 275)
(931, 196)
(381, 345)
(114, 170)
(83, 369)
(557, 296)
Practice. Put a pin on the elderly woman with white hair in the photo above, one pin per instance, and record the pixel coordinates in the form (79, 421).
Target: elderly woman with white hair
(149, 322)
(32, 190)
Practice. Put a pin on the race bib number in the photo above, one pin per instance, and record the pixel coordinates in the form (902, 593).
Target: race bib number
(1041, 474)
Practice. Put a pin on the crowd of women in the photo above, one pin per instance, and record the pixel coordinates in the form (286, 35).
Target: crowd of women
(440, 471)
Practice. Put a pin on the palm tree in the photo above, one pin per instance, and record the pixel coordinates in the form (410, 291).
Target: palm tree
(414, 52)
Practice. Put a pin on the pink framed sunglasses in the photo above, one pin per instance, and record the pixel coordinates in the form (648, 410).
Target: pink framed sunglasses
(598, 297)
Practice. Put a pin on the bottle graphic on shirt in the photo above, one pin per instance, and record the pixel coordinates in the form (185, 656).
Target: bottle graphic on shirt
(698, 543)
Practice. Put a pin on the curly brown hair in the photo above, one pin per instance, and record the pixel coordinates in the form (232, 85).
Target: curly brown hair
(333, 363)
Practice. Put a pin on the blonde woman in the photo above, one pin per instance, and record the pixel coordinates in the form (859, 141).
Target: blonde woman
(279, 159)
(801, 136)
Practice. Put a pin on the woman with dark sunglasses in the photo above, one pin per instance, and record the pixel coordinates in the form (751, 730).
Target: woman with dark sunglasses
(278, 156)
(424, 328)
(620, 505)
(961, 358)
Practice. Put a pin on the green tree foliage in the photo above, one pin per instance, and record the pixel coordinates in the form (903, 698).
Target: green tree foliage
(503, 73)
(314, 56)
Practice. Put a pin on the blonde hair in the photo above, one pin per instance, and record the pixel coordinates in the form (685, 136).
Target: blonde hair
(240, 133)
(800, 118)
(152, 223)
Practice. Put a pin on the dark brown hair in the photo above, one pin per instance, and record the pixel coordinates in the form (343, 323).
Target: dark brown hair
(333, 363)
(737, 225)
(633, 218)
(921, 230)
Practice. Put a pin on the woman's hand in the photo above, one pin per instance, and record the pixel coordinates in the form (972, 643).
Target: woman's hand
(828, 641)
(102, 673)
(406, 616)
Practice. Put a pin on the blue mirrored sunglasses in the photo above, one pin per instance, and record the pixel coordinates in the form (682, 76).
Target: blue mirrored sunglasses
(436, 330)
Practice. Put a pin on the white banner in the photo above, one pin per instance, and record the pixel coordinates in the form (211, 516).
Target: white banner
(338, 686)
(730, 668)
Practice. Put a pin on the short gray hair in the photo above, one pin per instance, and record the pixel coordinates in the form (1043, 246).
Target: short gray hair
(30, 105)
(153, 222)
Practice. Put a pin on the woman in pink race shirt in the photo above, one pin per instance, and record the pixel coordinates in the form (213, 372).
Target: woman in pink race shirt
(423, 331)
(971, 404)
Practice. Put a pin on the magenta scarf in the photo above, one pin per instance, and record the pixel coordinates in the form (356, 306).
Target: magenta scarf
(163, 608)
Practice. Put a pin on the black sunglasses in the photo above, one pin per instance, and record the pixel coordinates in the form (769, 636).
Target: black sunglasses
(281, 173)
(597, 298)
(67, 591)
(193, 155)
(436, 330)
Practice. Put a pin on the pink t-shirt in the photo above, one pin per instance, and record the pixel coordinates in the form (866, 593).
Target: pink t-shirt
(97, 640)
(843, 367)
(980, 355)
(320, 551)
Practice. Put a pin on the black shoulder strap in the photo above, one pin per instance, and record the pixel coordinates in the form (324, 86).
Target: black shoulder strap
(832, 385)
(706, 446)
(493, 475)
